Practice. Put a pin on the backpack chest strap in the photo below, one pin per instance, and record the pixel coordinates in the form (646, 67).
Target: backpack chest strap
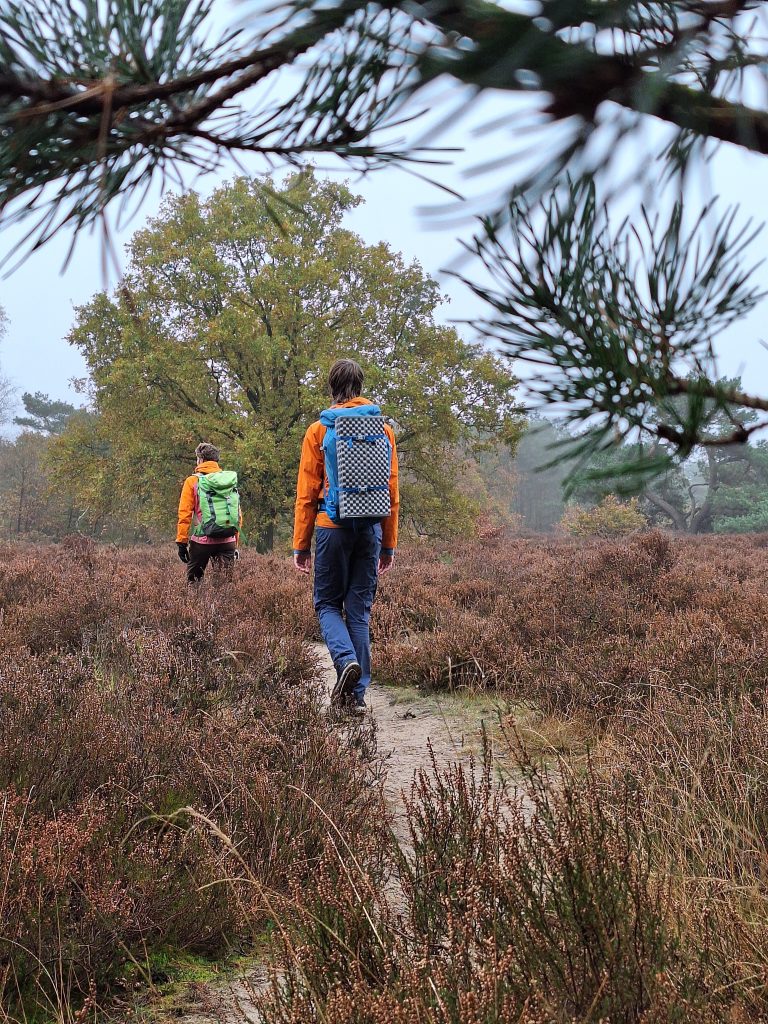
(363, 438)
(364, 490)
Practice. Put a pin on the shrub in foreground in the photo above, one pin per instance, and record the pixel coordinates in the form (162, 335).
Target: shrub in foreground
(628, 889)
(139, 725)
(540, 904)
(699, 768)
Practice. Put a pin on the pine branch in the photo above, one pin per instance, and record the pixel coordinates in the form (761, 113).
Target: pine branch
(95, 101)
(580, 79)
(620, 326)
(726, 395)
(86, 96)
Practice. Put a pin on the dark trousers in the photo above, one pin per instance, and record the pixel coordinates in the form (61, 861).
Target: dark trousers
(223, 556)
(346, 574)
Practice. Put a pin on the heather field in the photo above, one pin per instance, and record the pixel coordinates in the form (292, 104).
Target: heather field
(153, 744)
(170, 779)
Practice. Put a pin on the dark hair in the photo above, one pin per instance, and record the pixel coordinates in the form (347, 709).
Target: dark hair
(345, 380)
(207, 452)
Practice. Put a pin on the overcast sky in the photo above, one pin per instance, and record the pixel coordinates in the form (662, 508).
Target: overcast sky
(39, 298)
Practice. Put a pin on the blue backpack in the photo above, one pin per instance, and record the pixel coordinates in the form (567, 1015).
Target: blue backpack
(358, 463)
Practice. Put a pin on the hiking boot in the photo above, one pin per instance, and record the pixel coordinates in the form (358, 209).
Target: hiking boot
(357, 706)
(353, 705)
(348, 679)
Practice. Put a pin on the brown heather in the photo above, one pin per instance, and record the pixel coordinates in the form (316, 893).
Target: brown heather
(628, 886)
(629, 889)
(587, 628)
(540, 905)
(124, 700)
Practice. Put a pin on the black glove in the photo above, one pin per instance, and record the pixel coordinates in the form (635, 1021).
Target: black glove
(183, 551)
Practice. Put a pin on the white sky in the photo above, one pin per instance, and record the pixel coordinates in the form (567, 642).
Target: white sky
(39, 298)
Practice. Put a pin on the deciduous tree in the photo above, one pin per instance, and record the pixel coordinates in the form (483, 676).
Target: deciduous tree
(29, 506)
(225, 326)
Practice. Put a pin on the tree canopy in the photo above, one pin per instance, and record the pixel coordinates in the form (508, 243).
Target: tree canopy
(224, 329)
(741, 502)
(44, 415)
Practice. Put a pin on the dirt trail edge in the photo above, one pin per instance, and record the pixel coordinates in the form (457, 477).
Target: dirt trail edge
(408, 725)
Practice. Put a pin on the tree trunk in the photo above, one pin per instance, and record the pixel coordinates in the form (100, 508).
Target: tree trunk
(678, 518)
(265, 541)
(700, 518)
(21, 504)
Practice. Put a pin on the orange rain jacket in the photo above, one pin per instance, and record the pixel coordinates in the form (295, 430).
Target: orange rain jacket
(188, 503)
(312, 481)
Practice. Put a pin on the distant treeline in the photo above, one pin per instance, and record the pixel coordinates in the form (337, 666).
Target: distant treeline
(42, 494)
(717, 489)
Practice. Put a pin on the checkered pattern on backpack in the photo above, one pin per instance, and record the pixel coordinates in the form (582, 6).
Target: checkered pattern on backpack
(364, 460)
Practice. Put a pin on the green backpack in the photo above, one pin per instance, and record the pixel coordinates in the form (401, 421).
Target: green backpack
(218, 505)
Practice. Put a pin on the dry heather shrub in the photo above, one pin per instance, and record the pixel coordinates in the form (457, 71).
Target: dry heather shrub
(577, 626)
(700, 767)
(541, 906)
(58, 595)
(124, 701)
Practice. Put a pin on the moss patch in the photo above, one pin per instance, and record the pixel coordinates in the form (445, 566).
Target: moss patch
(174, 983)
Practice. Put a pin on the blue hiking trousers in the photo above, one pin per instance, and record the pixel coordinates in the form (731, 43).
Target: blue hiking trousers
(346, 574)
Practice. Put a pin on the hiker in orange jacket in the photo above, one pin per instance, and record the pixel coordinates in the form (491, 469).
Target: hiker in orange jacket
(348, 556)
(195, 549)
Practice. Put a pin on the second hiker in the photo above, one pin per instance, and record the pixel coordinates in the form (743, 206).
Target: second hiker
(209, 515)
(347, 494)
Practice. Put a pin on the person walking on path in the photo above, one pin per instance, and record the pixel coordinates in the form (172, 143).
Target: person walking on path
(352, 546)
(213, 533)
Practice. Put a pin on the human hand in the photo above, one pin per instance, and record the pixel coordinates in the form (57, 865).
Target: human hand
(303, 561)
(385, 563)
(183, 551)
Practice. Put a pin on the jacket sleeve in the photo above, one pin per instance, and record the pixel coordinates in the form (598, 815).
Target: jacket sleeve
(309, 487)
(186, 509)
(389, 526)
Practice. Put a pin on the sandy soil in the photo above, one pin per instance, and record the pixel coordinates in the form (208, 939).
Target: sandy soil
(407, 726)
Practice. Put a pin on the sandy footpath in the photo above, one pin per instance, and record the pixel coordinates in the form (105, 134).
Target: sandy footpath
(406, 729)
